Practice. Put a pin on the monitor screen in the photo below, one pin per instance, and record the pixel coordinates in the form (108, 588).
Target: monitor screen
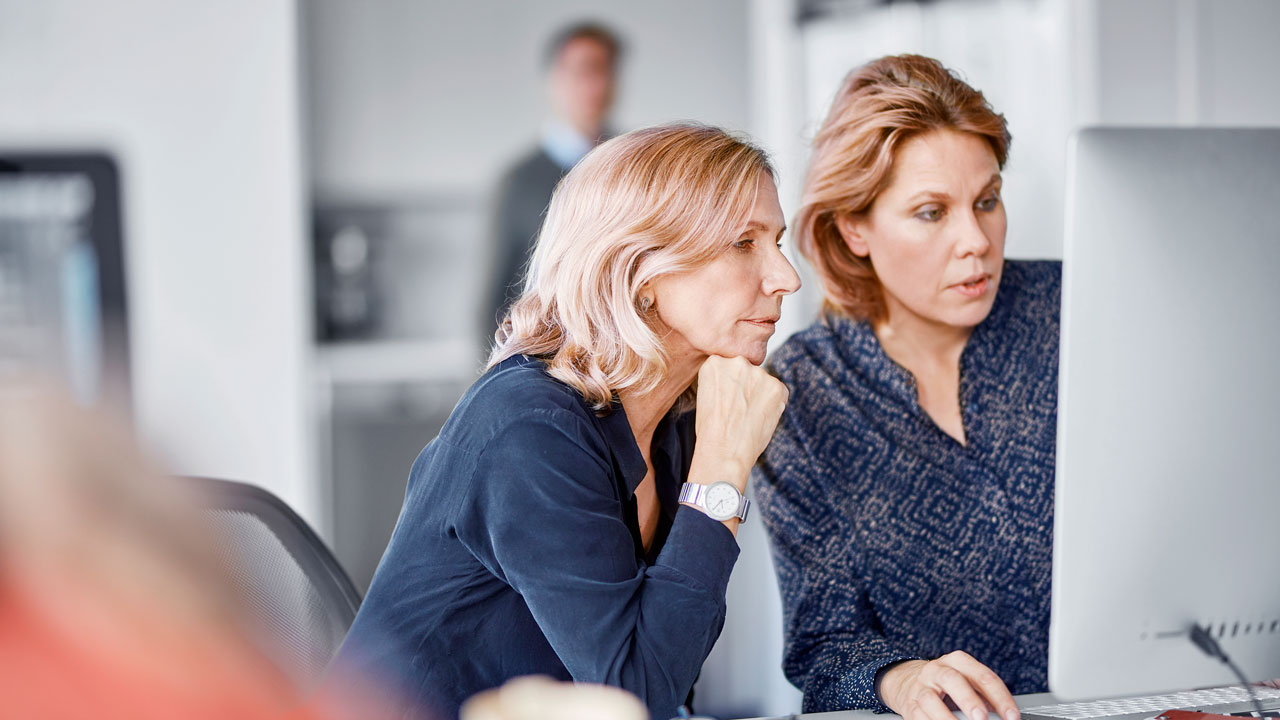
(1168, 455)
(63, 307)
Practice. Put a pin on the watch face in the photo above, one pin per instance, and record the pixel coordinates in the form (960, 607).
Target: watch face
(722, 501)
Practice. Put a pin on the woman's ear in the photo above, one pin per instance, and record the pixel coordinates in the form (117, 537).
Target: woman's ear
(646, 299)
(853, 229)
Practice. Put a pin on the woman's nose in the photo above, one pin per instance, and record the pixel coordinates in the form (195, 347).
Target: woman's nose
(780, 276)
(973, 238)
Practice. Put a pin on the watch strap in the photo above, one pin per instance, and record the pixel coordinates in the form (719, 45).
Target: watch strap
(696, 494)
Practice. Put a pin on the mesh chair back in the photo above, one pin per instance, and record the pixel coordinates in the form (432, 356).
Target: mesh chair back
(300, 599)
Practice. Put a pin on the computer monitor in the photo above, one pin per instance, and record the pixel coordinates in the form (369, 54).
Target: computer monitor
(1167, 506)
(63, 306)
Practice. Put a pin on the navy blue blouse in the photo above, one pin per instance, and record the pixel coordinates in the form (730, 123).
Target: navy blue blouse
(891, 539)
(518, 551)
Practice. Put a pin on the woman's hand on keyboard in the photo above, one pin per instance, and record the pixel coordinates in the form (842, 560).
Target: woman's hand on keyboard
(917, 689)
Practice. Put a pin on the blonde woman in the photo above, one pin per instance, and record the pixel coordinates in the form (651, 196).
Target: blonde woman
(573, 518)
(909, 488)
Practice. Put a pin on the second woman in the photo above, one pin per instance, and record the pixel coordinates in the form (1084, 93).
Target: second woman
(909, 489)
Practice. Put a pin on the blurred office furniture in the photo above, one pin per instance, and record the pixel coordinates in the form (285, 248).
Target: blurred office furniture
(301, 600)
(399, 284)
(63, 308)
(345, 293)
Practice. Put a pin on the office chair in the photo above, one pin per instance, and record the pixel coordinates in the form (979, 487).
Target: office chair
(300, 598)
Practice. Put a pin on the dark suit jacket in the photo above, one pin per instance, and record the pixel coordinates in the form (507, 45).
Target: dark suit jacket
(523, 195)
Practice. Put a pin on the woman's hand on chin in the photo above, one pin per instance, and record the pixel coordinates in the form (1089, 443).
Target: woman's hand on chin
(738, 407)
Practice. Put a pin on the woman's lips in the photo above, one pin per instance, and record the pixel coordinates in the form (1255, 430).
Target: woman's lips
(973, 287)
(765, 323)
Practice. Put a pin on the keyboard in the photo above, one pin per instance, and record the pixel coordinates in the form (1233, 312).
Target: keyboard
(1230, 700)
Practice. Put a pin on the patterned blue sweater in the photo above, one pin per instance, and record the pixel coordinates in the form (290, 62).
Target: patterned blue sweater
(892, 540)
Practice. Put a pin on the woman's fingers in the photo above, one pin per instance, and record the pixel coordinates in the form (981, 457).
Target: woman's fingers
(959, 687)
(927, 704)
(986, 682)
(918, 689)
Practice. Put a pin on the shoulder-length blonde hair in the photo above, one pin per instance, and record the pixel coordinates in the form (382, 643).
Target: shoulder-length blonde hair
(880, 106)
(653, 202)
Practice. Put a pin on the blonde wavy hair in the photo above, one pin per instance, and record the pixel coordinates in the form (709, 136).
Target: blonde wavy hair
(880, 106)
(658, 201)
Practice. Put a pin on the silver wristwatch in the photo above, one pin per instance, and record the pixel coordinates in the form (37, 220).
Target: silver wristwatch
(721, 500)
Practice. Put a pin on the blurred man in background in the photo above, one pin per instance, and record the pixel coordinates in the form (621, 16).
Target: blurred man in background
(581, 65)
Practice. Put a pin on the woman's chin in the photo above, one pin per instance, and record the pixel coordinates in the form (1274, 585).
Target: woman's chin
(753, 351)
(971, 315)
(756, 354)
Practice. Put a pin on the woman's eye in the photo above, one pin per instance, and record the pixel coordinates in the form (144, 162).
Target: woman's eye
(744, 243)
(930, 214)
(990, 203)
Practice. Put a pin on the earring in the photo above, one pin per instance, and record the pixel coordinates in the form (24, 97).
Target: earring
(646, 303)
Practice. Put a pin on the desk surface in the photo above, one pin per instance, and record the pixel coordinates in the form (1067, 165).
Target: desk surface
(1024, 701)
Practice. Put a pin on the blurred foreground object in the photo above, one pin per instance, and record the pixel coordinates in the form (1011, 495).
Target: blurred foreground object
(111, 603)
(537, 697)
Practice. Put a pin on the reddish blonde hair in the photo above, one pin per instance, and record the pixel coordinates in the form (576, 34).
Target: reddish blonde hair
(879, 107)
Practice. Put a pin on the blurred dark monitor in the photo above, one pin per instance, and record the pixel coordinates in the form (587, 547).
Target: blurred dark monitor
(63, 306)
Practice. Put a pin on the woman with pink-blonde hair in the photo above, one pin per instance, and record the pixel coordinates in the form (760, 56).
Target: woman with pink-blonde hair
(576, 516)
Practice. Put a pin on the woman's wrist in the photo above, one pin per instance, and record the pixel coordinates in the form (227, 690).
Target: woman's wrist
(708, 469)
(889, 681)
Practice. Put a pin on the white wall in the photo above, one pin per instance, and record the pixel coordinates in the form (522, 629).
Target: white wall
(199, 104)
(1237, 57)
(1186, 62)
